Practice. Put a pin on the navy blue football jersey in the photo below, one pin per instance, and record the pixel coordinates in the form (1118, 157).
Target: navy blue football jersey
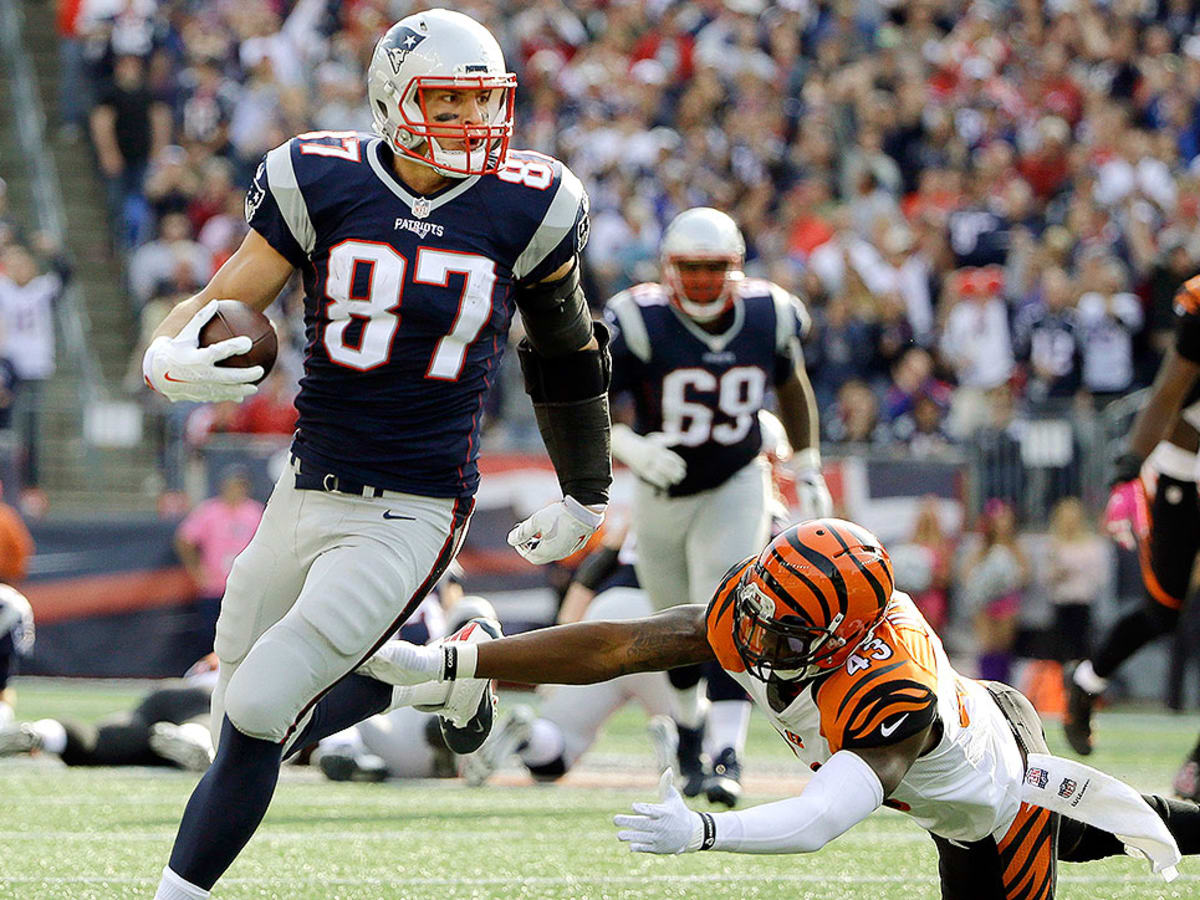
(408, 298)
(704, 390)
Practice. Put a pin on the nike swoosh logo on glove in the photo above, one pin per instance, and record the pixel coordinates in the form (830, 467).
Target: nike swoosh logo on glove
(167, 377)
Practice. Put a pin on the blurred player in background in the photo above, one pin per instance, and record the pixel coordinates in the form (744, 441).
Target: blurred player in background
(437, 215)
(1153, 509)
(16, 640)
(550, 740)
(852, 677)
(168, 727)
(698, 353)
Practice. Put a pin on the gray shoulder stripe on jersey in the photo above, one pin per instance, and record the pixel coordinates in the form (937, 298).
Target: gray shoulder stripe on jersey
(633, 326)
(788, 307)
(555, 225)
(281, 179)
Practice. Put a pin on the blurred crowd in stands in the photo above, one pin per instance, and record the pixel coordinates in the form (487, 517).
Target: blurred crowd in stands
(988, 206)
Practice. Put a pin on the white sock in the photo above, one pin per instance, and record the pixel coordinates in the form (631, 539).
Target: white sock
(1086, 678)
(53, 735)
(545, 743)
(691, 705)
(6, 714)
(728, 722)
(172, 887)
(429, 693)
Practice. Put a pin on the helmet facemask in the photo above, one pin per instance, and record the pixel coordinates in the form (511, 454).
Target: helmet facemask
(788, 647)
(476, 148)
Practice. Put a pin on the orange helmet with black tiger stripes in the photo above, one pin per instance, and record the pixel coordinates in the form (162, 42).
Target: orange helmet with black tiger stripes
(810, 598)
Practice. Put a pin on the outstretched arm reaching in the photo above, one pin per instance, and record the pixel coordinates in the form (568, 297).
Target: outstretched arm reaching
(582, 653)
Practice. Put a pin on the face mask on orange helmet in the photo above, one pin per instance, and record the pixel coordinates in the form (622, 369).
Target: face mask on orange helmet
(812, 596)
(441, 50)
(702, 256)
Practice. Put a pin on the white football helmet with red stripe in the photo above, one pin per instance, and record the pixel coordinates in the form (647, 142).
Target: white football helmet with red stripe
(702, 255)
(432, 50)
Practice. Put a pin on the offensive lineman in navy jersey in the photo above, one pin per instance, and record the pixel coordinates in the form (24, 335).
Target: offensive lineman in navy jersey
(415, 245)
(698, 354)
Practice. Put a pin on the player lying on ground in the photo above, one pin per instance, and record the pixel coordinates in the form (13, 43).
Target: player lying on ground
(1153, 509)
(850, 674)
(168, 727)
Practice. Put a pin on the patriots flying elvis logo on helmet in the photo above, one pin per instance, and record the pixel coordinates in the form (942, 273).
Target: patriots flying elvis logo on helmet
(407, 40)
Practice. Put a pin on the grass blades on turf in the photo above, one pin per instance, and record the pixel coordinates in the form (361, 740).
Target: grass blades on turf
(106, 833)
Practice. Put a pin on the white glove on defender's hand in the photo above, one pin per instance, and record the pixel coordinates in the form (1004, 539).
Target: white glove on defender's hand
(180, 369)
(812, 494)
(666, 827)
(648, 456)
(555, 531)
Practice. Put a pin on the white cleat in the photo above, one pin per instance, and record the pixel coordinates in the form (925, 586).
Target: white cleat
(664, 738)
(188, 746)
(513, 732)
(466, 716)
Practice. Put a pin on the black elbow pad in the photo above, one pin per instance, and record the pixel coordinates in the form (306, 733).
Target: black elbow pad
(570, 402)
(555, 314)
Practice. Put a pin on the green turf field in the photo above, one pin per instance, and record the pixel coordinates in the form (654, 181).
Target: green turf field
(71, 834)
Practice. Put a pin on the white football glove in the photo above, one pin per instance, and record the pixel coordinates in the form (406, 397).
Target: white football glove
(812, 494)
(648, 456)
(555, 531)
(666, 827)
(180, 369)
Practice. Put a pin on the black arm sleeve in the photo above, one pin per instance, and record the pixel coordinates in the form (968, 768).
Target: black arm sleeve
(555, 314)
(596, 567)
(570, 401)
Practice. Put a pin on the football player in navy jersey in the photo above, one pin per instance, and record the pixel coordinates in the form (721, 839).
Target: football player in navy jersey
(416, 245)
(698, 353)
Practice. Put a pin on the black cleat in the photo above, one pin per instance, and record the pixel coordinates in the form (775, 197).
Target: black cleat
(691, 769)
(467, 737)
(1077, 721)
(724, 785)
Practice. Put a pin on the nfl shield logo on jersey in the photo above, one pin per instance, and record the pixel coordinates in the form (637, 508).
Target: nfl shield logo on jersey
(1037, 777)
(420, 207)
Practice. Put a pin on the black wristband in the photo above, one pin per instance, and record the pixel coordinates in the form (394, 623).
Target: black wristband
(710, 831)
(1126, 467)
(449, 662)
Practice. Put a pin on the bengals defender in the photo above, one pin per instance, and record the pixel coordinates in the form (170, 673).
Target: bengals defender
(851, 675)
(1153, 509)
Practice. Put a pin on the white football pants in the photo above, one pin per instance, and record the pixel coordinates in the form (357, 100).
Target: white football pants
(685, 544)
(325, 580)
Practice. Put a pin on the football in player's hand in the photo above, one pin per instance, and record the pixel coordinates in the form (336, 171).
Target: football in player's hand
(234, 318)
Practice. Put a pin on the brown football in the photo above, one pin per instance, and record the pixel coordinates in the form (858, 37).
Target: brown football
(235, 318)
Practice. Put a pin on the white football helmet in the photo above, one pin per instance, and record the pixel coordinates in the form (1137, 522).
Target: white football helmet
(451, 51)
(702, 254)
